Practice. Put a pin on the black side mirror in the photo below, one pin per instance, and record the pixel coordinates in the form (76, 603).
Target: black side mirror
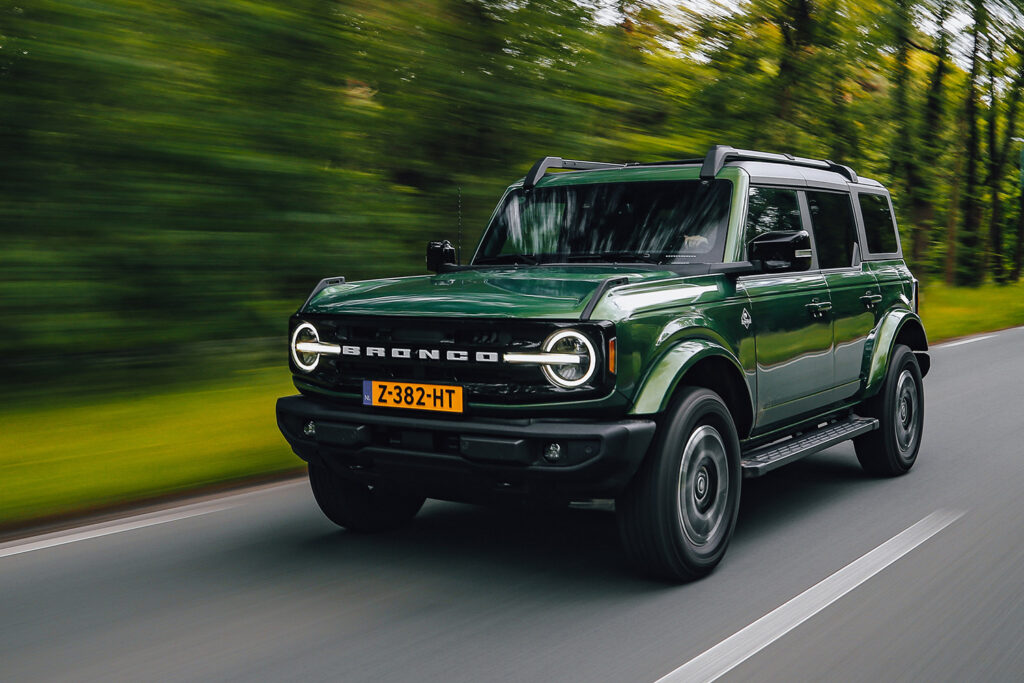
(439, 255)
(781, 251)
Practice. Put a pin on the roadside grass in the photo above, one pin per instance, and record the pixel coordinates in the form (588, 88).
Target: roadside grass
(93, 450)
(949, 312)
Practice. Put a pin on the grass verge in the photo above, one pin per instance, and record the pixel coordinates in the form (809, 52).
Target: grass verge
(96, 451)
(950, 312)
(99, 450)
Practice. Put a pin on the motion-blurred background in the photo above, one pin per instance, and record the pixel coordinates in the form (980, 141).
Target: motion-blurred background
(175, 177)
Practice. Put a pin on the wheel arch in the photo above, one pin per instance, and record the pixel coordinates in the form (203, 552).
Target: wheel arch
(898, 327)
(701, 363)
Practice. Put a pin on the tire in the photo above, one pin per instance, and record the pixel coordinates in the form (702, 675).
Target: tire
(891, 450)
(359, 507)
(677, 515)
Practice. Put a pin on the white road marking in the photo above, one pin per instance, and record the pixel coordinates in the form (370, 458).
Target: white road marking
(965, 341)
(99, 530)
(744, 644)
(141, 521)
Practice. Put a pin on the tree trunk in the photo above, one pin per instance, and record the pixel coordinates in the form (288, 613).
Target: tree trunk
(842, 134)
(991, 253)
(969, 264)
(905, 162)
(1018, 248)
(796, 25)
(997, 167)
(952, 216)
(922, 210)
(900, 162)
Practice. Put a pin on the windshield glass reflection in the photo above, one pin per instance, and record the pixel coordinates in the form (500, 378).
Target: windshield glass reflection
(658, 222)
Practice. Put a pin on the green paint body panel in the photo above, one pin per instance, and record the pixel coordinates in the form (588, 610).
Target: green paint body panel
(881, 346)
(663, 379)
(794, 349)
(524, 292)
(793, 365)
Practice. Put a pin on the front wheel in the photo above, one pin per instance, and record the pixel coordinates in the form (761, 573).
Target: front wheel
(677, 515)
(892, 449)
(359, 507)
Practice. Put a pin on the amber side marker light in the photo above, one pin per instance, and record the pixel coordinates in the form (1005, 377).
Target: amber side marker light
(611, 356)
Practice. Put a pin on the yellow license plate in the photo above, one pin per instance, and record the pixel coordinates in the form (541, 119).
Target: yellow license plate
(442, 397)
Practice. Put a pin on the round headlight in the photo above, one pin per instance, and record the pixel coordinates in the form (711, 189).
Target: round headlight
(576, 344)
(303, 334)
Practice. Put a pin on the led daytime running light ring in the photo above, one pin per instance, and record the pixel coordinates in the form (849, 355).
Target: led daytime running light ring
(296, 358)
(548, 370)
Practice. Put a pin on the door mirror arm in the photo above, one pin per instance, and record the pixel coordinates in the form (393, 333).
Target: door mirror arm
(736, 269)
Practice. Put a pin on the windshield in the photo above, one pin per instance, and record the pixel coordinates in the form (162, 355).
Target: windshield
(677, 221)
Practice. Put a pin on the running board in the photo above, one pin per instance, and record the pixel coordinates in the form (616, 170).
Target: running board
(766, 458)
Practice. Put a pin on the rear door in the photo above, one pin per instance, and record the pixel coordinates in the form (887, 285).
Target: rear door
(852, 287)
(884, 256)
(791, 323)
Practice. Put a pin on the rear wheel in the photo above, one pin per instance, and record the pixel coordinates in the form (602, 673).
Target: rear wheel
(677, 515)
(359, 507)
(892, 449)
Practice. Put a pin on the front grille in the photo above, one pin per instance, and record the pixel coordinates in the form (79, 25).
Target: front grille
(488, 382)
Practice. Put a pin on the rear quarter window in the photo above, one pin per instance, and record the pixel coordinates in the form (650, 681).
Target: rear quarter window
(879, 227)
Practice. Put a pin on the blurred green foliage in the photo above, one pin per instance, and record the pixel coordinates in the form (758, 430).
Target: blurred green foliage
(177, 173)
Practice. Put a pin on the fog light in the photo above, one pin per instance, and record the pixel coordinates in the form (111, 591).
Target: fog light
(309, 429)
(553, 453)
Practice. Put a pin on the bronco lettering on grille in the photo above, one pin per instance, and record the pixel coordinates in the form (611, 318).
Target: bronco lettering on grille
(403, 353)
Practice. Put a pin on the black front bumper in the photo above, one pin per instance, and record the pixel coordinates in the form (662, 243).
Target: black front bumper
(467, 459)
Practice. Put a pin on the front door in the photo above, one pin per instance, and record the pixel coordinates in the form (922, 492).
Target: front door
(791, 320)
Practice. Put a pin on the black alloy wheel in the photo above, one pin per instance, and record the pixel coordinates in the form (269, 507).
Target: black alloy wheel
(678, 514)
(891, 450)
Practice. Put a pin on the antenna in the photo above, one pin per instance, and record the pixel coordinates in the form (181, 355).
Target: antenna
(459, 253)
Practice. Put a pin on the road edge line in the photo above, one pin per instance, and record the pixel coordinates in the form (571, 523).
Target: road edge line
(974, 336)
(744, 644)
(139, 520)
(101, 530)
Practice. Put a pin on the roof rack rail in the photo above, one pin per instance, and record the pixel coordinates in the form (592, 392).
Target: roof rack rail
(542, 166)
(668, 162)
(719, 154)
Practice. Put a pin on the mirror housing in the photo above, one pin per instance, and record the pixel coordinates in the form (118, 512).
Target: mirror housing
(781, 251)
(439, 255)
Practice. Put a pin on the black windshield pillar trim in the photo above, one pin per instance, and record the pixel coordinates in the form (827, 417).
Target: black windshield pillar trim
(715, 160)
(321, 286)
(605, 285)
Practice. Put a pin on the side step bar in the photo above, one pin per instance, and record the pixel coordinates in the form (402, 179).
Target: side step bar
(766, 458)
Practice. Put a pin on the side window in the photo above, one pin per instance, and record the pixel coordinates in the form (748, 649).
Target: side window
(770, 209)
(878, 224)
(834, 230)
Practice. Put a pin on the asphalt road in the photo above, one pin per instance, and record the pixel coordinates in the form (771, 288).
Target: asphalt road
(261, 587)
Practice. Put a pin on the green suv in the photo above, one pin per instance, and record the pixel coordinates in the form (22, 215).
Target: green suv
(651, 333)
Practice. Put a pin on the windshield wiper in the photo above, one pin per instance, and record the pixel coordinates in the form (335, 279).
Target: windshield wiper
(528, 259)
(614, 257)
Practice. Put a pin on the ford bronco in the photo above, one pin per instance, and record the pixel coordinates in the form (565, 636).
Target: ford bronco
(649, 333)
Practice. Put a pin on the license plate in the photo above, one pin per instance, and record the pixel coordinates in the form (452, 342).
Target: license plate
(442, 397)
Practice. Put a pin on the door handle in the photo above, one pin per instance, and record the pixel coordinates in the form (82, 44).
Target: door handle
(818, 309)
(870, 300)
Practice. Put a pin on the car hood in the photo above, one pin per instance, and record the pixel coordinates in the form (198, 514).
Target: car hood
(523, 292)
